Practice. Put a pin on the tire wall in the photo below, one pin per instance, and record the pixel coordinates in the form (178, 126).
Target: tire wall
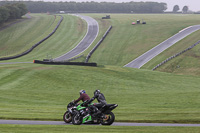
(64, 63)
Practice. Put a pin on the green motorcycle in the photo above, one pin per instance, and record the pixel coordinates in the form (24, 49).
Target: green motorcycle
(83, 115)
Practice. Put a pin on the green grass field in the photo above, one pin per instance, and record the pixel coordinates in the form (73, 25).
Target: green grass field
(72, 31)
(42, 92)
(185, 64)
(19, 37)
(92, 129)
(123, 44)
(31, 91)
(126, 42)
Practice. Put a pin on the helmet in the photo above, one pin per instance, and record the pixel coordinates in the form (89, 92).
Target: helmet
(96, 92)
(81, 91)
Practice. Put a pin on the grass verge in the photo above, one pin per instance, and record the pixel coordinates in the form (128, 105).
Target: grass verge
(33, 91)
(92, 129)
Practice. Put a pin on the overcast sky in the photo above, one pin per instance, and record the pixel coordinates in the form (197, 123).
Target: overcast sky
(193, 5)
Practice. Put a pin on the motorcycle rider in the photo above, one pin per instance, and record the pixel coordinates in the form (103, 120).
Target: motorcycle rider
(101, 102)
(83, 96)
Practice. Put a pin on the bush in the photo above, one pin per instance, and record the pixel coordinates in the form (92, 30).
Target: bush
(12, 11)
(4, 14)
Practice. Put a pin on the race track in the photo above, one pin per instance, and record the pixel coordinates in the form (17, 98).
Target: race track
(92, 32)
(146, 57)
(91, 35)
(27, 122)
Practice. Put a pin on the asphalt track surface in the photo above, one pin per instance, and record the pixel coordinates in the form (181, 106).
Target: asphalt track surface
(92, 32)
(27, 122)
(146, 57)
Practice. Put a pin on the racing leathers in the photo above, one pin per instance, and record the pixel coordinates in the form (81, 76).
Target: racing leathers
(101, 101)
(84, 97)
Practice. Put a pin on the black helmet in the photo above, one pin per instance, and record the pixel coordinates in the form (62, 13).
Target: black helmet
(81, 91)
(96, 92)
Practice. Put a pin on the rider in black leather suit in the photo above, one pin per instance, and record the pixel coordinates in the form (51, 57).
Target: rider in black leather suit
(101, 101)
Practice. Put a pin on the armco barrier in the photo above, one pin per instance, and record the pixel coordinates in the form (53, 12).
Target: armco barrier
(170, 58)
(65, 63)
(35, 45)
(97, 45)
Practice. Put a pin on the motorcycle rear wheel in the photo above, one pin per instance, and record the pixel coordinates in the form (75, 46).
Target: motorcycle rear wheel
(77, 119)
(110, 117)
(67, 117)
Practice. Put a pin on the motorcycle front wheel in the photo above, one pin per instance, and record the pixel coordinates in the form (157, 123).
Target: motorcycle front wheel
(67, 117)
(77, 119)
(109, 119)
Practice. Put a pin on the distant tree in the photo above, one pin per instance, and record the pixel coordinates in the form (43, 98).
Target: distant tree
(4, 14)
(11, 11)
(102, 7)
(176, 8)
(14, 11)
(185, 9)
(22, 7)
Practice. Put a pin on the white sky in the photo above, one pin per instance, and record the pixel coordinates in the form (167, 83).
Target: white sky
(193, 5)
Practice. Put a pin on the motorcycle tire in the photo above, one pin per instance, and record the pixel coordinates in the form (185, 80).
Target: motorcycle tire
(77, 119)
(67, 117)
(110, 117)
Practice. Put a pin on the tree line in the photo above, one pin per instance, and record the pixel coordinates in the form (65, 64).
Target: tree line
(94, 7)
(184, 10)
(12, 11)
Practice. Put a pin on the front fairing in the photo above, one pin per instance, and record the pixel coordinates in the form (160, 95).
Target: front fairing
(79, 107)
(87, 118)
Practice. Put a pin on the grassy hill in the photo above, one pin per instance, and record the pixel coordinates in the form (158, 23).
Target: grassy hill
(42, 92)
(67, 37)
(185, 64)
(126, 42)
(20, 37)
(32, 91)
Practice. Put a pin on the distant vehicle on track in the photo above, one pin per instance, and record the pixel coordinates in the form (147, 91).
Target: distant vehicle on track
(107, 17)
